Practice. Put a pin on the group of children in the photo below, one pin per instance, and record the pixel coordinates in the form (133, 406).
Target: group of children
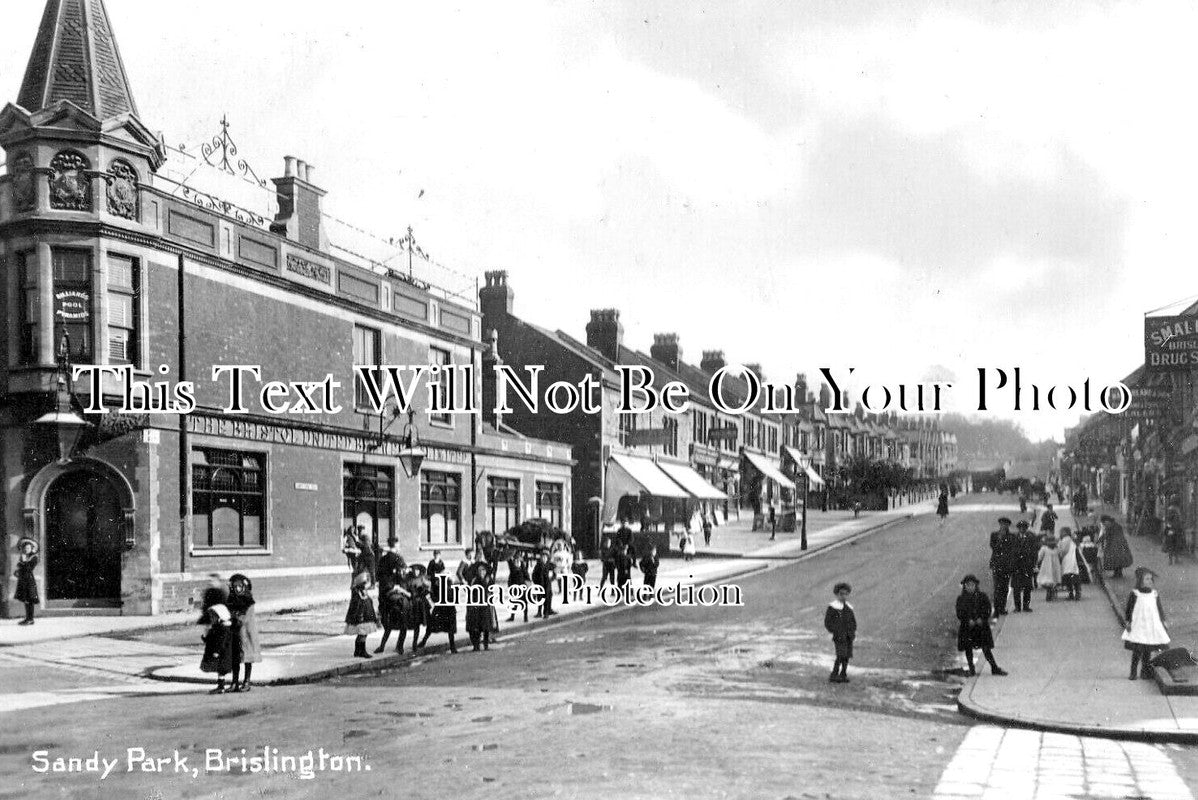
(231, 641)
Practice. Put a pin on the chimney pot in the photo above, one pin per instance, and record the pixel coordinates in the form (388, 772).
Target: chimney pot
(713, 361)
(605, 333)
(495, 298)
(310, 174)
(289, 166)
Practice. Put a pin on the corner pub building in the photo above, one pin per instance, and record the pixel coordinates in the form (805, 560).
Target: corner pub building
(139, 510)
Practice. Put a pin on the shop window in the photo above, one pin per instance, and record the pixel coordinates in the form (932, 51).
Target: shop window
(441, 507)
(627, 426)
(441, 358)
(503, 503)
(367, 351)
(549, 503)
(228, 499)
(123, 341)
(367, 494)
(73, 303)
(29, 308)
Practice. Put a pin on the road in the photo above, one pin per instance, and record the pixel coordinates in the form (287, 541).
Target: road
(654, 702)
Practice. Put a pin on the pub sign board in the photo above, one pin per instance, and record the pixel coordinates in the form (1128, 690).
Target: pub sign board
(1171, 343)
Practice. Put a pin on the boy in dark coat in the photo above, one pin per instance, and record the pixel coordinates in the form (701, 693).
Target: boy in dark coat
(841, 622)
(973, 613)
(649, 566)
(1003, 548)
(1023, 578)
(543, 575)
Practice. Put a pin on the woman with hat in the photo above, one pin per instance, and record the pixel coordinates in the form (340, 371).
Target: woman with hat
(246, 646)
(1112, 546)
(481, 619)
(360, 619)
(973, 614)
(26, 580)
(1145, 631)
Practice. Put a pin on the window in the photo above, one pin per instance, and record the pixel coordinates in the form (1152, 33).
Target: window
(549, 503)
(441, 358)
(367, 350)
(228, 499)
(367, 493)
(122, 310)
(29, 311)
(73, 303)
(627, 426)
(699, 427)
(441, 507)
(671, 427)
(503, 503)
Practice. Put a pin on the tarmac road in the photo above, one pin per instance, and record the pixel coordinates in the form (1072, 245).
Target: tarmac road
(655, 702)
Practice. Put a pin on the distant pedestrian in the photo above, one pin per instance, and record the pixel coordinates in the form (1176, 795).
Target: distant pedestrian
(773, 521)
(543, 575)
(649, 565)
(706, 530)
(518, 575)
(349, 546)
(435, 567)
(1145, 631)
(1048, 568)
(973, 615)
(856, 509)
(247, 647)
(218, 644)
(1070, 571)
(687, 546)
(942, 506)
(1048, 520)
(481, 619)
(623, 562)
(1175, 535)
(392, 570)
(1004, 546)
(607, 558)
(1023, 576)
(360, 618)
(1112, 546)
(26, 579)
(841, 622)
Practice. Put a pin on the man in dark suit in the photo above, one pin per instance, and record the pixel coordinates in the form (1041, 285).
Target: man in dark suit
(1003, 547)
(623, 567)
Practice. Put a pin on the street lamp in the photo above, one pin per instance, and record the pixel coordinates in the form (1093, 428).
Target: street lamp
(411, 454)
(68, 426)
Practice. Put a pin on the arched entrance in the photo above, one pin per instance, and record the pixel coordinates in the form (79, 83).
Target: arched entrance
(84, 538)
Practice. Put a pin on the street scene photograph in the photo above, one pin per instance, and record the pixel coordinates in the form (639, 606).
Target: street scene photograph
(756, 399)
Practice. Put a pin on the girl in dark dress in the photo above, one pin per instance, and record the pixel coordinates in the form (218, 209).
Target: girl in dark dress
(942, 505)
(26, 581)
(973, 613)
(518, 575)
(649, 565)
(360, 619)
(391, 571)
(441, 618)
(218, 641)
(413, 608)
(481, 620)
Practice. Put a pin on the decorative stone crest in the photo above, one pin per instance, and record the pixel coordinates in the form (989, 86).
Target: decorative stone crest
(24, 186)
(316, 272)
(70, 186)
(122, 190)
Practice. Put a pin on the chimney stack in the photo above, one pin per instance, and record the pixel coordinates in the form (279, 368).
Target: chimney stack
(495, 299)
(801, 395)
(666, 350)
(299, 217)
(713, 361)
(825, 397)
(605, 333)
(756, 370)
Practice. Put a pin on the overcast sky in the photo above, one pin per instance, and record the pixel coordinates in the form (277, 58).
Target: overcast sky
(913, 189)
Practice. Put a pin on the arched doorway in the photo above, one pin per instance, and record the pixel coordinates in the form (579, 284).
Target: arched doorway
(83, 538)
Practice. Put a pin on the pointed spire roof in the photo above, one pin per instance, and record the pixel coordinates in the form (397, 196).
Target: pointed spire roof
(75, 58)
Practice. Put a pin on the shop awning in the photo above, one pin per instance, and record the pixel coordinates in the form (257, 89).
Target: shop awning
(630, 475)
(813, 478)
(692, 481)
(769, 469)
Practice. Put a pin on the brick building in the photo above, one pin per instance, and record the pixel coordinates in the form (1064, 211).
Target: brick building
(105, 262)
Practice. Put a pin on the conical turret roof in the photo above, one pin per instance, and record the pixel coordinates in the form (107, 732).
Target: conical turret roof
(75, 58)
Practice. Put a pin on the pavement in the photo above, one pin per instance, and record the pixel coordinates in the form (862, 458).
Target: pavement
(1069, 670)
(109, 647)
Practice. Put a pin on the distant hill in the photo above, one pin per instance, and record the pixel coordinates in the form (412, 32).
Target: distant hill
(985, 443)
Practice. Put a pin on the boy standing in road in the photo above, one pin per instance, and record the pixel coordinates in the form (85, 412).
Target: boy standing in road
(841, 622)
